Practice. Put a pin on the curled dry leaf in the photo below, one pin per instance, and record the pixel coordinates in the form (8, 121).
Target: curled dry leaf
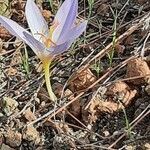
(119, 95)
(82, 80)
(138, 67)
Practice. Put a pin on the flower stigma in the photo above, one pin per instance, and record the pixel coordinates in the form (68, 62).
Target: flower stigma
(46, 40)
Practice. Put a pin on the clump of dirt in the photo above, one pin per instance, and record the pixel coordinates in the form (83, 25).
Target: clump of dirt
(136, 68)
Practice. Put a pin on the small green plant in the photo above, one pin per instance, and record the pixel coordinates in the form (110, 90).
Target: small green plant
(128, 128)
(25, 62)
(51, 5)
(90, 3)
(115, 15)
(97, 67)
(111, 54)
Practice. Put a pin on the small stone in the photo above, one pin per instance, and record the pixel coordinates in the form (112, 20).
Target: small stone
(6, 147)
(106, 133)
(9, 105)
(31, 134)
(82, 81)
(147, 89)
(136, 68)
(147, 146)
(13, 138)
(130, 147)
(29, 115)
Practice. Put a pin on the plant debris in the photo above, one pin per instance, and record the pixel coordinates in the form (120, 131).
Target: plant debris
(102, 83)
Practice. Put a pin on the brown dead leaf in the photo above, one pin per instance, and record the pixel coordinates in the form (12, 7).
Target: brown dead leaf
(29, 115)
(129, 40)
(119, 48)
(116, 92)
(103, 9)
(13, 138)
(82, 81)
(117, 87)
(137, 67)
(75, 108)
(4, 34)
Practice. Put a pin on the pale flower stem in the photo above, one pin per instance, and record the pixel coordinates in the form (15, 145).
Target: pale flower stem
(47, 80)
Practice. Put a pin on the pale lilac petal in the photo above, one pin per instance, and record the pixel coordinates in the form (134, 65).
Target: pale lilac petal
(36, 22)
(74, 33)
(38, 46)
(65, 17)
(15, 29)
(59, 48)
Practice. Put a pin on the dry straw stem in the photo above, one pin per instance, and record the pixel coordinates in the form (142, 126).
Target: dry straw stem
(138, 23)
(135, 26)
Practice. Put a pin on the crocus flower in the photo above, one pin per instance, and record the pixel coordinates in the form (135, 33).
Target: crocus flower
(45, 42)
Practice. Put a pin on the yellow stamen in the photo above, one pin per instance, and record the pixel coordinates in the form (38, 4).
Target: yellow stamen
(53, 27)
(46, 41)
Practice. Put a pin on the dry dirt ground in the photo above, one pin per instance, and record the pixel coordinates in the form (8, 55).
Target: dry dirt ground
(102, 82)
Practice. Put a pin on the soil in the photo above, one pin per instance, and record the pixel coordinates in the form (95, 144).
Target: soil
(102, 82)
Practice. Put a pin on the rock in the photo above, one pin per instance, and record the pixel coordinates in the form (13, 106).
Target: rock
(13, 138)
(82, 81)
(147, 89)
(29, 115)
(6, 147)
(135, 68)
(31, 134)
(9, 105)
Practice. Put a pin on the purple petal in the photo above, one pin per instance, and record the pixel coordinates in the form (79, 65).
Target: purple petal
(14, 28)
(74, 33)
(65, 17)
(39, 48)
(59, 48)
(36, 22)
